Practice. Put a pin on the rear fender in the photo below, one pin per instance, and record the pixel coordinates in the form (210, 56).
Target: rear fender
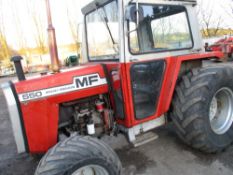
(175, 68)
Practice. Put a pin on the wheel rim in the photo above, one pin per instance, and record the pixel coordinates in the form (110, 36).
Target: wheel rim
(221, 111)
(91, 170)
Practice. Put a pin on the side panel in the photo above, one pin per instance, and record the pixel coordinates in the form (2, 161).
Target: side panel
(41, 113)
(171, 73)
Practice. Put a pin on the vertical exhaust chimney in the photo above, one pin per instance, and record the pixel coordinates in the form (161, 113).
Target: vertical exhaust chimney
(18, 67)
(52, 41)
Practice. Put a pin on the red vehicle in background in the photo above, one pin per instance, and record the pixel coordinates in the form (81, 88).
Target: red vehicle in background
(224, 45)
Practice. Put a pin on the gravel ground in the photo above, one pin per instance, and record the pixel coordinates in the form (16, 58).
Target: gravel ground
(165, 156)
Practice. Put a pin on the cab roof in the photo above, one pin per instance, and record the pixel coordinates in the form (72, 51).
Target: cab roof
(96, 3)
(93, 5)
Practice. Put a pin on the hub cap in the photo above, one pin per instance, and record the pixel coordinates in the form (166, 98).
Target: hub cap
(221, 111)
(91, 170)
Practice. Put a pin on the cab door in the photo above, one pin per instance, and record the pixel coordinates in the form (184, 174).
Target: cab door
(163, 34)
(146, 80)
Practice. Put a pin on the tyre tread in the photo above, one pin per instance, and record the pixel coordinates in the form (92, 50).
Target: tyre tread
(73, 149)
(187, 96)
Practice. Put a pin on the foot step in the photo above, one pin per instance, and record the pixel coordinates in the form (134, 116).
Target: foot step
(145, 138)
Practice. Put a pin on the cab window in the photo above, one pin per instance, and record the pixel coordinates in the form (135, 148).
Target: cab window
(162, 28)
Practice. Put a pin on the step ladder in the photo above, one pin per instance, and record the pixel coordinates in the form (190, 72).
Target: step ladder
(145, 138)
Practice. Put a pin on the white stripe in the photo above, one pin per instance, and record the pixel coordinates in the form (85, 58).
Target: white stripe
(61, 89)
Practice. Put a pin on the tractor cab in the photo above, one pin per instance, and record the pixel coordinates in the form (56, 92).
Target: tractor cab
(139, 43)
(127, 31)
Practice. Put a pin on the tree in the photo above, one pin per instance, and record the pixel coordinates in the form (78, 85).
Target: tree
(5, 52)
(228, 8)
(21, 38)
(4, 49)
(74, 26)
(35, 11)
(210, 23)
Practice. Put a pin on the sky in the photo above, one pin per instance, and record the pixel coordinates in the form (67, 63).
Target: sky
(12, 8)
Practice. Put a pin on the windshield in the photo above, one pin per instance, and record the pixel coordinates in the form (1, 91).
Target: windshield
(102, 33)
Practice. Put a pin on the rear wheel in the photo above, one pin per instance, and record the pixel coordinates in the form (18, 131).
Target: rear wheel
(80, 156)
(202, 108)
(230, 57)
(221, 113)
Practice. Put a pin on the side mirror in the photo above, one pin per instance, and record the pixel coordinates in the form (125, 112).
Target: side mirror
(135, 13)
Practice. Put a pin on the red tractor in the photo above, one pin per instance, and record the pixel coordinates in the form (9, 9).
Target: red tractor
(144, 70)
(224, 45)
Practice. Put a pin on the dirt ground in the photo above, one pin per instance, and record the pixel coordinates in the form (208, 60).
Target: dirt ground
(165, 156)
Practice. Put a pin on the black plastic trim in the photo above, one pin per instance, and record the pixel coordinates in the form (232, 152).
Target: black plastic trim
(123, 106)
(110, 86)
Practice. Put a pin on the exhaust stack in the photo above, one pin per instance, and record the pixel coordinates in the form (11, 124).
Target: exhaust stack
(18, 67)
(52, 41)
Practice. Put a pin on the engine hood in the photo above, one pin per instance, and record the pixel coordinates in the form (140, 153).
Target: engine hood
(81, 79)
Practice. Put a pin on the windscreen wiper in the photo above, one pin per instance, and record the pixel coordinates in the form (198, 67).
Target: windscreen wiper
(106, 22)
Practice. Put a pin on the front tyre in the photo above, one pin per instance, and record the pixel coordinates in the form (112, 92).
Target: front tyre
(80, 156)
(202, 108)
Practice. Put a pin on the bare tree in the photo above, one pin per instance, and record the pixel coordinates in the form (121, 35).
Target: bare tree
(18, 25)
(231, 8)
(21, 38)
(5, 52)
(228, 8)
(209, 28)
(210, 23)
(74, 26)
(39, 26)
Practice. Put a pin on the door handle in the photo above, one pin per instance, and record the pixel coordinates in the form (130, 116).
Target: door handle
(134, 60)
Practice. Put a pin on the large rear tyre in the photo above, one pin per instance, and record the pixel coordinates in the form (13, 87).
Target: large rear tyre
(231, 57)
(80, 156)
(202, 108)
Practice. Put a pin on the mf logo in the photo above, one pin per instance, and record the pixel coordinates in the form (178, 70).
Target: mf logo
(82, 82)
(88, 81)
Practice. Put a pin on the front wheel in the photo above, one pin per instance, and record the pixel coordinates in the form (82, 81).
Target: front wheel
(202, 109)
(80, 156)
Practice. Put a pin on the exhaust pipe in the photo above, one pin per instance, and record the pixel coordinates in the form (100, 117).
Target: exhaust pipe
(52, 41)
(18, 67)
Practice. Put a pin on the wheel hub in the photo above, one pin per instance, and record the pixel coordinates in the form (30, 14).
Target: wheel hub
(221, 111)
(91, 170)
(213, 108)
